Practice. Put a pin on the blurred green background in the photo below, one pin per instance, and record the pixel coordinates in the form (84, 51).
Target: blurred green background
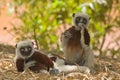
(45, 20)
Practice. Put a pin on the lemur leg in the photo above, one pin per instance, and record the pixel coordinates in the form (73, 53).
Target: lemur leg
(38, 67)
(88, 52)
(89, 58)
(65, 37)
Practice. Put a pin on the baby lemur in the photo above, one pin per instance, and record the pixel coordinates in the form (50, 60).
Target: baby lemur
(28, 57)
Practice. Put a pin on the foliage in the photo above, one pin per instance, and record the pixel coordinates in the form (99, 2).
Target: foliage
(46, 16)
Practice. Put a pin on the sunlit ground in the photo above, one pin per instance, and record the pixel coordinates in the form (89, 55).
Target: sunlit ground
(105, 69)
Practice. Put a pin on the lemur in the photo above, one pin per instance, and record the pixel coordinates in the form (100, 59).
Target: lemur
(28, 57)
(75, 42)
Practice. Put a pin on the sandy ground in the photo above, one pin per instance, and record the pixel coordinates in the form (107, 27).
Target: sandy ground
(105, 69)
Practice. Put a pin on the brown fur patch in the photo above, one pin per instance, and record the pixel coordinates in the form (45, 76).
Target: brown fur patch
(20, 65)
(74, 41)
(42, 59)
(86, 37)
(42, 62)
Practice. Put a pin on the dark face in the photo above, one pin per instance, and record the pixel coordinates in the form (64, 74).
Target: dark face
(79, 20)
(25, 50)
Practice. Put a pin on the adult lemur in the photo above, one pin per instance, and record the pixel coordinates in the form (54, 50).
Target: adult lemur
(28, 57)
(75, 42)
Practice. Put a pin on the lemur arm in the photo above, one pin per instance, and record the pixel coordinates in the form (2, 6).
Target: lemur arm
(20, 65)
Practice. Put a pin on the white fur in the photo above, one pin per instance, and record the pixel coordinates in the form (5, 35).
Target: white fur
(89, 56)
(82, 37)
(65, 39)
(58, 60)
(74, 68)
(60, 65)
(50, 55)
(23, 43)
(29, 64)
(44, 71)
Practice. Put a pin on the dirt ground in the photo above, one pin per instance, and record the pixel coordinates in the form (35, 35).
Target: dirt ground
(105, 69)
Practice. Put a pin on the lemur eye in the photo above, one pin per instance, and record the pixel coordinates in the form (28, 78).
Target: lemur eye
(22, 49)
(84, 21)
(29, 48)
(77, 19)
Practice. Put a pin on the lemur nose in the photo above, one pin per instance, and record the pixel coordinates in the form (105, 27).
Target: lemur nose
(26, 49)
(81, 20)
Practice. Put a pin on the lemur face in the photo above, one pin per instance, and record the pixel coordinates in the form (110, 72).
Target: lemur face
(24, 48)
(80, 20)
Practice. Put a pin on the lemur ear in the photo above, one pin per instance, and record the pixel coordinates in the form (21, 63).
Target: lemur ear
(73, 14)
(33, 43)
(53, 58)
(16, 45)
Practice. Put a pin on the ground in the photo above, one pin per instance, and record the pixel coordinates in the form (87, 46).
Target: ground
(105, 69)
